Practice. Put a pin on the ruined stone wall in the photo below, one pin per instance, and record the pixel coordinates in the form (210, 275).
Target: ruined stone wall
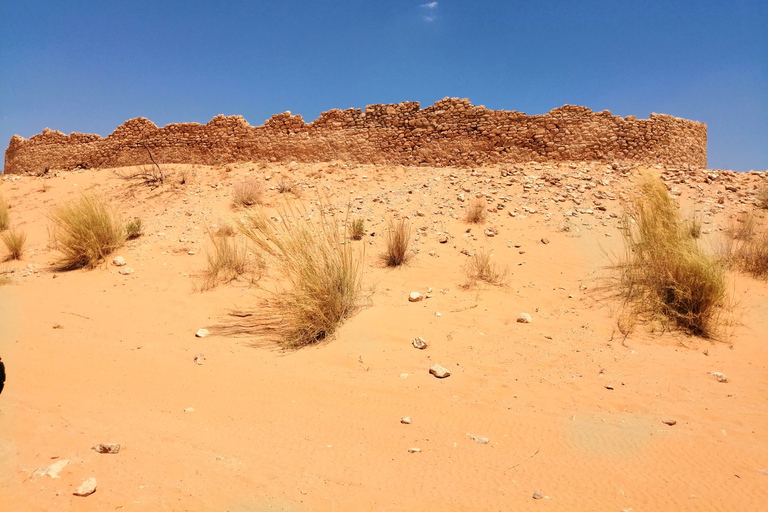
(452, 132)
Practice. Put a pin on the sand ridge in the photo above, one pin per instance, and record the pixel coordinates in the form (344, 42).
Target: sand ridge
(98, 357)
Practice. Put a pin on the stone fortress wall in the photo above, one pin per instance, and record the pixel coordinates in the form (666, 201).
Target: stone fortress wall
(452, 132)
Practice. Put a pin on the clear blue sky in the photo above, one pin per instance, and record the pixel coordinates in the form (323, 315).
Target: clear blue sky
(88, 66)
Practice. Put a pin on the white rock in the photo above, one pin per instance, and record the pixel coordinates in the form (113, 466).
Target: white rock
(119, 261)
(202, 333)
(52, 470)
(414, 450)
(524, 318)
(419, 343)
(439, 371)
(720, 376)
(86, 488)
(107, 448)
(199, 358)
(126, 271)
(406, 420)
(479, 439)
(189, 409)
(415, 297)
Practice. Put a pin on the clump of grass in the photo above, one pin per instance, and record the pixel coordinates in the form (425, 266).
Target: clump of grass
(134, 229)
(481, 268)
(398, 238)
(693, 227)
(4, 217)
(476, 210)
(225, 230)
(762, 197)
(86, 231)
(665, 276)
(747, 247)
(357, 228)
(322, 269)
(248, 192)
(227, 260)
(286, 185)
(14, 243)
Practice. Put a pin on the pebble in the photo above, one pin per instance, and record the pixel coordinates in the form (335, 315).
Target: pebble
(189, 409)
(406, 420)
(119, 261)
(415, 297)
(537, 495)
(479, 439)
(720, 376)
(86, 488)
(202, 333)
(414, 450)
(439, 371)
(545, 241)
(419, 343)
(107, 448)
(524, 318)
(126, 271)
(443, 239)
(52, 470)
(199, 358)
(669, 422)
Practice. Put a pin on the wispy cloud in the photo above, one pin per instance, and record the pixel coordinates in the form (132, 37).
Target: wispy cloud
(431, 11)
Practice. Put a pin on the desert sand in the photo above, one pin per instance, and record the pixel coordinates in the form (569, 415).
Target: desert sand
(571, 408)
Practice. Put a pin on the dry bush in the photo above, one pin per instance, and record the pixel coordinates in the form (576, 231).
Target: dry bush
(134, 229)
(693, 227)
(4, 217)
(248, 192)
(398, 238)
(481, 268)
(322, 269)
(357, 228)
(476, 210)
(746, 247)
(14, 243)
(225, 230)
(665, 276)
(86, 231)
(150, 175)
(286, 185)
(227, 260)
(762, 197)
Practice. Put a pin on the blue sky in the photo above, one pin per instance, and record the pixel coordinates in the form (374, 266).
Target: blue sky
(88, 66)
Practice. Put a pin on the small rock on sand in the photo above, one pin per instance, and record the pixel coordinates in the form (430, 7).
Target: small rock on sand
(107, 448)
(126, 271)
(86, 488)
(406, 420)
(439, 371)
(537, 495)
(52, 470)
(202, 333)
(479, 439)
(414, 450)
(419, 343)
(720, 376)
(415, 297)
(199, 358)
(669, 422)
(119, 261)
(524, 318)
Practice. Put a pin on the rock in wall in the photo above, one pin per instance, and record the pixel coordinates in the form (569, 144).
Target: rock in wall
(452, 132)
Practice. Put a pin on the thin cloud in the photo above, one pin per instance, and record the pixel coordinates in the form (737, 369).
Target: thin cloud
(431, 9)
(430, 5)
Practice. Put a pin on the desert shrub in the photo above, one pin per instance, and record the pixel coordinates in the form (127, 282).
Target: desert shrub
(762, 197)
(693, 227)
(14, 243)
(4, 217)
(248, 192)
(357, 228)
(665, 275)
(86, 231)
(286, 185)
(134, 229)
(225, 230)
(481, 268)
(476, 210)
(227, 260)
(397, 238)
(322, 269)
(746, 246)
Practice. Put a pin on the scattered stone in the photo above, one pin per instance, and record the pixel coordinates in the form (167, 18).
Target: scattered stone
(52, 470)
(479, 439)
(438, 314)
(119, 261)
(107, 448)
(537, 495)
(406, 420)
(443, 239)
(720, 376)
(419, 343)
(126, 271)
(191, 253)
(415, 297)
(189, 409)
(199, 358)
(86, 488)
(545, 241)
(669, 422)
(202, 333)
(524, 318)
(609, 387)
(414, 450)
(439, 371)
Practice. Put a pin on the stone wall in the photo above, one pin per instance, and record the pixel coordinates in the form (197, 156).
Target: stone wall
(452, 132)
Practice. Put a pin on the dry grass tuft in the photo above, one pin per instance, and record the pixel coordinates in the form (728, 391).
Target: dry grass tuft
(481, 268)
(357, 229)
(4, 217)
(762, 197)
(86, 231)
(398, 238)
(322, 269)
(14, 243)
(134, 229)
(746, 248)
(476, 210)
(286, 185)
(665, 276)
(227, 260)
(248, 192)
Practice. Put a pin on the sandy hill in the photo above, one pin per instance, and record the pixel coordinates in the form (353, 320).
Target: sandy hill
(565, 406)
